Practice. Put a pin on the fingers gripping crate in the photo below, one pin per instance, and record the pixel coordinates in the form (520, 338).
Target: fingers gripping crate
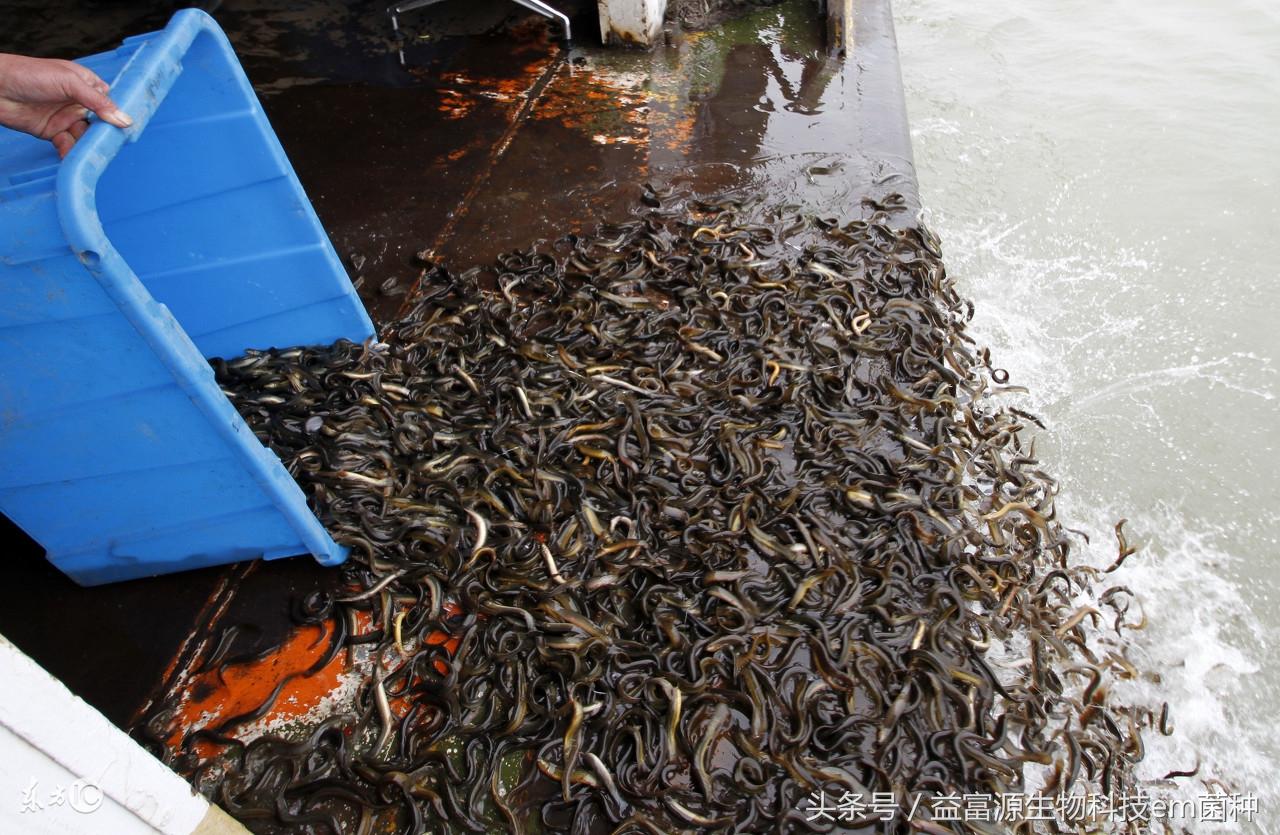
(123, 269)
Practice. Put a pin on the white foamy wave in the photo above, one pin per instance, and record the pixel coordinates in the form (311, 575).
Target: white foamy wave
(1204, 643)
(1201, 639)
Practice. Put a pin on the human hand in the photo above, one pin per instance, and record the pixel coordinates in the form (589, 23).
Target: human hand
(52, 99)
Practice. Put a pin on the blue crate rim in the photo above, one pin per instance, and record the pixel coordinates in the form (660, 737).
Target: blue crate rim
(139, 90)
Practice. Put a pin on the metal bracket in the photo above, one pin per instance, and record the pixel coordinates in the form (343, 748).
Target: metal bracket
(397, 9)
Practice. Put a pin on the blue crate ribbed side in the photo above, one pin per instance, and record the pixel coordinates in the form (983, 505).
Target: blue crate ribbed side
(122, 269)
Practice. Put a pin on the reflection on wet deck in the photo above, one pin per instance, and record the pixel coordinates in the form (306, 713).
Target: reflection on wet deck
(511, 139)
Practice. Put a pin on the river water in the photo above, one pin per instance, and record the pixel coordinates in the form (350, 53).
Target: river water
(1105, 178)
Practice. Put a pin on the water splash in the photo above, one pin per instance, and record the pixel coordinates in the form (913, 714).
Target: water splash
(1045, 314)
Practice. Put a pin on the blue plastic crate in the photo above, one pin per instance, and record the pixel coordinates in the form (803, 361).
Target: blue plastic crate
(122, 269)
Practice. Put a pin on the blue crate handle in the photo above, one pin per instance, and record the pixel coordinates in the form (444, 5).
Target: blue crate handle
(139, 89)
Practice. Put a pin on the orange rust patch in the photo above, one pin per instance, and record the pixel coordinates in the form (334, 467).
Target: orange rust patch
(460, 92)
(450, 642)
(454, 104)
(607, 109)
(209, 701)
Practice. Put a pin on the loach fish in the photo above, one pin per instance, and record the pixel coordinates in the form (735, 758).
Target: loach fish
(669, 528)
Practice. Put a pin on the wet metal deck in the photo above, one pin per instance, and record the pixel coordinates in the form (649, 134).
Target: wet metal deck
(488, 137)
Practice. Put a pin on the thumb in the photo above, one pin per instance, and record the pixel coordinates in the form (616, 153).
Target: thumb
(94, 97)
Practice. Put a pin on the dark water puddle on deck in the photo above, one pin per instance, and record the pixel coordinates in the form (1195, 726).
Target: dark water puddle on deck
(487, 147)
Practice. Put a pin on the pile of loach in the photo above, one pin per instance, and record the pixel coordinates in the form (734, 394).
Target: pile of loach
(719, 510)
